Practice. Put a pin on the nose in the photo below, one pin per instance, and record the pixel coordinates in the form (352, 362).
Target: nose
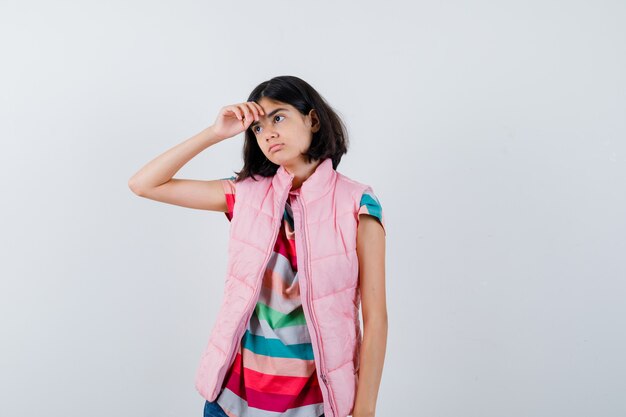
(269, 134)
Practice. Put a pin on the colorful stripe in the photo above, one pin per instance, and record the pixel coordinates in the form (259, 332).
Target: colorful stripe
(371, 205)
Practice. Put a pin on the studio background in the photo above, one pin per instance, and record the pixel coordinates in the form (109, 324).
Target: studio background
(493, 133)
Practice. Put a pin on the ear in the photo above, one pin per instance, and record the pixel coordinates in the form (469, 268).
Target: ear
(315, 120)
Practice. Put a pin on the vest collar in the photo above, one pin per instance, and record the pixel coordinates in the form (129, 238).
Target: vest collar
(315, 186)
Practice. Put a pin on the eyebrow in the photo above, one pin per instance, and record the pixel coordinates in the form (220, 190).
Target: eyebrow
(270, 114)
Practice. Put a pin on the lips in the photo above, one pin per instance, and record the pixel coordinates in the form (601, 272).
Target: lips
(275, 147)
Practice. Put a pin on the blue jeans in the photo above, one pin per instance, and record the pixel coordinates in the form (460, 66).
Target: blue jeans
(213, 409)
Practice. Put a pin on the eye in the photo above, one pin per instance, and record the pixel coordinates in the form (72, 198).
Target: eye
(254, 128)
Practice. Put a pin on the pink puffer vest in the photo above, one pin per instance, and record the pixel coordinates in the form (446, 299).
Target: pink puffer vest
(325, 221)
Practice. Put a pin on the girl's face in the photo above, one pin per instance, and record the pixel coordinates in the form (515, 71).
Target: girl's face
(283, 133)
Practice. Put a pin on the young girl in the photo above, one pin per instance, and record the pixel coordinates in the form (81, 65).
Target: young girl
(301, 260)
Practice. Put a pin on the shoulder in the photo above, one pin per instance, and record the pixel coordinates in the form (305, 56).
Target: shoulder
(370, 205)
(361, 191)
(229, 185)
(250, 184)
(368, 202)
(350, 186)
(230, 179)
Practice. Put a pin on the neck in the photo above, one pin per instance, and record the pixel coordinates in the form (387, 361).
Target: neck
(301, 172)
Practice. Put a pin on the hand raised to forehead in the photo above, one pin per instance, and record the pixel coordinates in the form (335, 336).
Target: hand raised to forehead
(236, 118)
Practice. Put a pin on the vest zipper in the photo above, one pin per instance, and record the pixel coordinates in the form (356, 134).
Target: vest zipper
(304, 238)
(239, 334)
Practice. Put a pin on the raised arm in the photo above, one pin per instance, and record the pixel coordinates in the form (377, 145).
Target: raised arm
(155, 180)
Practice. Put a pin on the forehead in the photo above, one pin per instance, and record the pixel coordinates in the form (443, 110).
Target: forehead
(268, 104)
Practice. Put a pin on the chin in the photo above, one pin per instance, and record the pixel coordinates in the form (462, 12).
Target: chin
(279, 158)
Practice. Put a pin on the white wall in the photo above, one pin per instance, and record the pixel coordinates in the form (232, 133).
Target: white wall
(493, 133)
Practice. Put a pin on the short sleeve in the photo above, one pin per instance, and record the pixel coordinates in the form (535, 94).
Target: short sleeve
(371, 205)
(228, 184)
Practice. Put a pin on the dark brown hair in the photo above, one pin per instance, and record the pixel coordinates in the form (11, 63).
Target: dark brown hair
(330, 141)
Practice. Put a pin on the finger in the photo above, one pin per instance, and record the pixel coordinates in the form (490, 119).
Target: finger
(258, 110)
(236, 111)
(252, 110)
(246, 111)
(255, 110)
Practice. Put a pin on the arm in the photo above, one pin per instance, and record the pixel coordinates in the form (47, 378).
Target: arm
(155, 180)
(371, 254)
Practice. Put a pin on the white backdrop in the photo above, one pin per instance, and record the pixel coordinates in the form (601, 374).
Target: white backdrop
(493, 132)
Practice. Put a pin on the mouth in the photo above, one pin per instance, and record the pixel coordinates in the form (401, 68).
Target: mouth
(276, 147)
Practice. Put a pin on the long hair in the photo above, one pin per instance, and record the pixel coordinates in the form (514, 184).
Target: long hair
(330, 141)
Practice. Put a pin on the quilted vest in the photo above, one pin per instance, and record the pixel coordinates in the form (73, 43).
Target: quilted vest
(325, 224)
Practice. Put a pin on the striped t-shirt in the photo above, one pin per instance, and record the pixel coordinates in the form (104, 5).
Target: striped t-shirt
(274, 369)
